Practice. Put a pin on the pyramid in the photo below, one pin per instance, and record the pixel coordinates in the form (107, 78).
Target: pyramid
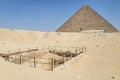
(86, 19)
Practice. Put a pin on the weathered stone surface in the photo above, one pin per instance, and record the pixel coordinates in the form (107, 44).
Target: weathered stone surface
(86, 19)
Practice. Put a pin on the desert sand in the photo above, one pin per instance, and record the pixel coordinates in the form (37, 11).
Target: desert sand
(100, 62)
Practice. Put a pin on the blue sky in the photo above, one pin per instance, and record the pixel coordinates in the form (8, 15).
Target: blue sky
(49, 15)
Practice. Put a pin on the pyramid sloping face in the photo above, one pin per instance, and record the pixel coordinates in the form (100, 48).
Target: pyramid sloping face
(86, 19)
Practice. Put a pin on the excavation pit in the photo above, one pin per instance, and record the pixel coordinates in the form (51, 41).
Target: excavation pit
(45, 59)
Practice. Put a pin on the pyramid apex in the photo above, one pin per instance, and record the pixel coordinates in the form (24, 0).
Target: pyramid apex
(86, 6)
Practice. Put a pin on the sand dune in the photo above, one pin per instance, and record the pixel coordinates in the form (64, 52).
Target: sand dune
(100, 63)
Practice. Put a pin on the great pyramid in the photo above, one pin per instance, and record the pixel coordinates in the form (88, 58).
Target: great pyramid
(86, 19)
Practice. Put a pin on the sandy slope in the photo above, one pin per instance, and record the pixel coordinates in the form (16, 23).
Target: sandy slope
(100, 63)
(14, 39)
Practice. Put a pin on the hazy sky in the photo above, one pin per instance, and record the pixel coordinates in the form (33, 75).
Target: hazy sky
(48, 15)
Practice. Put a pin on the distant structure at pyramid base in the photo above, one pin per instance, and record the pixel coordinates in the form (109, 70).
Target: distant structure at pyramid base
(87, 19)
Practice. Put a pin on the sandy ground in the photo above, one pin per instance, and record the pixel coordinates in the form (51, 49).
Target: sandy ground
(100, 63)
